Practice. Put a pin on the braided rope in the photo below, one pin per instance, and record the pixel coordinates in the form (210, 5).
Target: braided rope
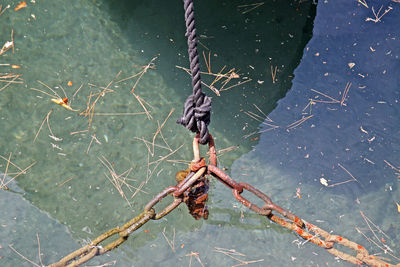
(197, 107)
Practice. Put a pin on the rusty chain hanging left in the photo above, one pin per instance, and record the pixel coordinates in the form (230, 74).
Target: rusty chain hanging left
(183, 192)
(192, 189)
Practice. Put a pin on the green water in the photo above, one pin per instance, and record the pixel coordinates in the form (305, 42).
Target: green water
(92, 43)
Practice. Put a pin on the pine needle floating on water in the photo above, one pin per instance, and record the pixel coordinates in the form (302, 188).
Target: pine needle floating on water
(331, 100)
(120, 181)
(4, 9)
(9, 78)
(55, 97)
(381, 241)
(344, 182)
(8, 45)
(235, 255)
(363, 2)
(220, 78)
(377, 15)
(249, 7)
(273, 73)
(7, 173)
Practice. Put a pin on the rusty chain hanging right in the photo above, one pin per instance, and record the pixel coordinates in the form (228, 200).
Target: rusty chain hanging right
(193, 185)
(183, 192)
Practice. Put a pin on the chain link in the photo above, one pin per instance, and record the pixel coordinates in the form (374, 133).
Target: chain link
(195, 179)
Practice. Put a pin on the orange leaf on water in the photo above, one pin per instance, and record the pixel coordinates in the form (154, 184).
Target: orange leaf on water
(20, 6)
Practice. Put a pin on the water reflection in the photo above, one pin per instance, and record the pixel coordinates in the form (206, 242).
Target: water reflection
(274, 34)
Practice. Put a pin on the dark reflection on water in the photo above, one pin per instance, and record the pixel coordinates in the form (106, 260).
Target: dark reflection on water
(362, 131)
(274, 34)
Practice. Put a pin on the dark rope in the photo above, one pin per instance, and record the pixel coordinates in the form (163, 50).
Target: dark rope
(197, 108)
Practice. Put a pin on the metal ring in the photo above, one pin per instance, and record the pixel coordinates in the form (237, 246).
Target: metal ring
(189, 182)
(250, 205)
(159, 197)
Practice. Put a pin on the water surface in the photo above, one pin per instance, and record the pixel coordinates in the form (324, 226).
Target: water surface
(94, 43)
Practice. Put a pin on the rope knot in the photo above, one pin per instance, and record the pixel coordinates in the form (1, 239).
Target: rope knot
(197, 108)
(196, 116)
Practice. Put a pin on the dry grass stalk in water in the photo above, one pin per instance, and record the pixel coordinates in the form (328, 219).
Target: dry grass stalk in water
(90, 105)
(151, 65)
(93, 98)
(298, 122)
(220, 152)
(347, 181)
(119, 180)
(379, 242)
(260, 118)
(25, 258)
(273, 73)
(80, 87)
(28, 260)
(220, 77)
(250, 7)
(46, 119)
(91, 141)
(196, 255)
(8, 44)
(377, 16)
(331, 100)
(138, 98)
(12, 79)
(345, 92)
(234, 255)
(3, 182)
(171, 242)
(66, 181)
(158, 162)
(56, 98)
(151, 145)
(397, 170)
(264, 119)
(159, 132)
(110, 263)
(142, 103)
(363, 2)
(179, 161)
(4, 9)
(151, 151)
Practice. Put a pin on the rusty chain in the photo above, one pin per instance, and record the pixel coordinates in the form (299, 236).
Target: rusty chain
(192, 190)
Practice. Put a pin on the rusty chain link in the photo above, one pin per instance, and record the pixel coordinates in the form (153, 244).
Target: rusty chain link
(183, 192)
(93, 249)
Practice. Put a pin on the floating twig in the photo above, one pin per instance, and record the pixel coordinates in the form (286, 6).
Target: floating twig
(171, 242)
(363, 2)
(196, 255)
(234, 255)
(250, 7)
(40, 128)
(3, 182)
(4, 9)
(344, 182)
(273, 73)
(298, 122)
(377, 16)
